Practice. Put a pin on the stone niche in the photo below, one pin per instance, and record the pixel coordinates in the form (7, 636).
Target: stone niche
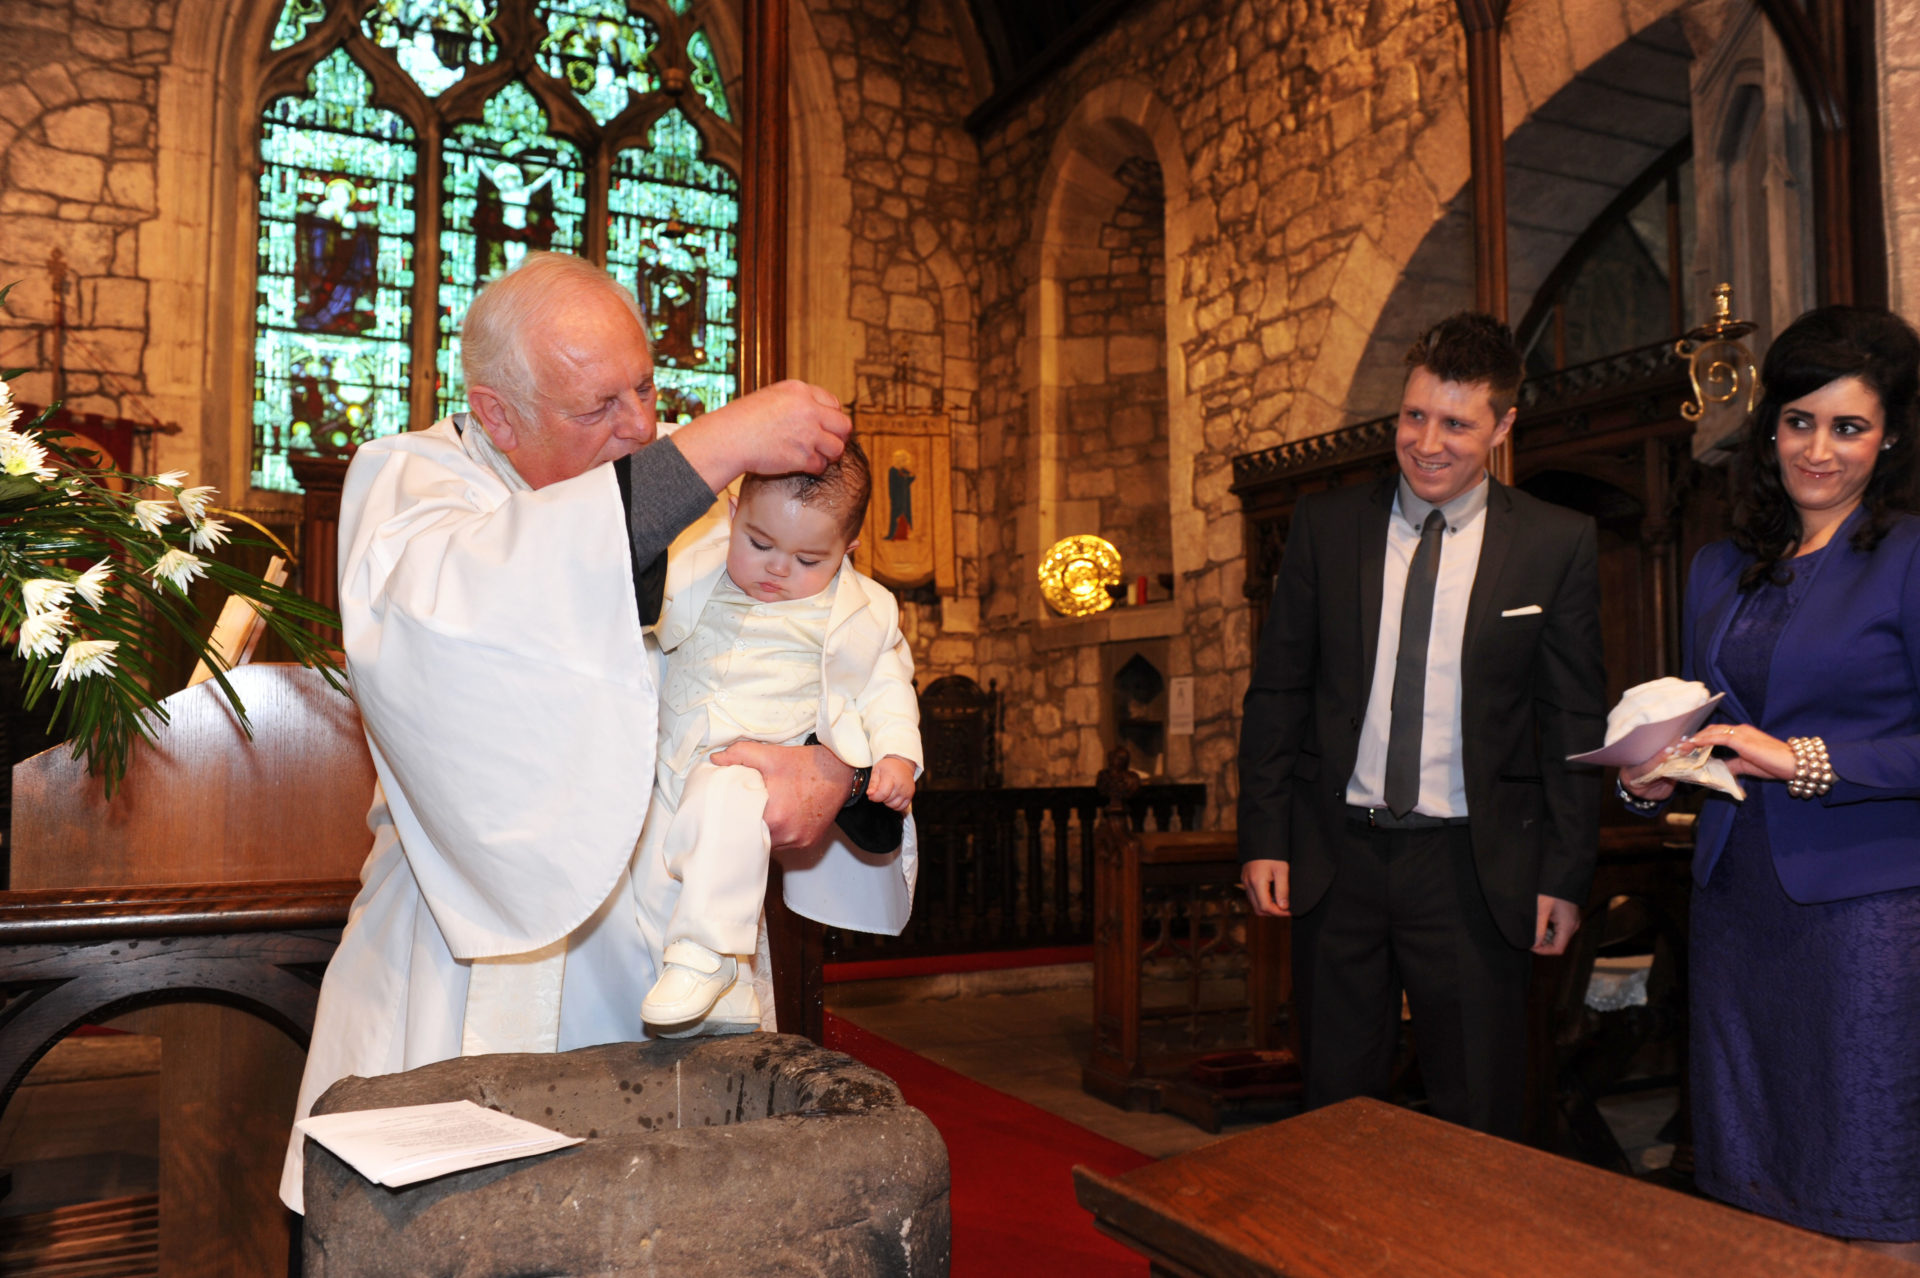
(758, 1154)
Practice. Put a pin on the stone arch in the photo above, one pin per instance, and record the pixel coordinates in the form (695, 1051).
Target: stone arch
(1118, 122)
(1423, 264)
(196, 254)
(1755, 176)
(822, 346)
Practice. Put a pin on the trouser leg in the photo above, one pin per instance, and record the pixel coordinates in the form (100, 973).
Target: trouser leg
(1466, 985)
(1346, 989)
(717, 848)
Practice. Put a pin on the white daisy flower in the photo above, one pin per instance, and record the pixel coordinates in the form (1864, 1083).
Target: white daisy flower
(92, 585)
(40, 633)
(152, 515)
(23, 455)
(85, 657)
(178, 567)
(207, 534)
(9, 411)
(194, 500)
(171, 479)
(43, 594)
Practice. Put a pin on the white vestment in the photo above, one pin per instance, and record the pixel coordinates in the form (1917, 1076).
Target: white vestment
(494, 645)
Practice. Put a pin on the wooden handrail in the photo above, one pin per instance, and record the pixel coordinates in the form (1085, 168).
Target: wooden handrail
(58, 915)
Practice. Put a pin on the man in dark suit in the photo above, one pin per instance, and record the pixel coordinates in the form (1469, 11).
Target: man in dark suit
(1432, 657)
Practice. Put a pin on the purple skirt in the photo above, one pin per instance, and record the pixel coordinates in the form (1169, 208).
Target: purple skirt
(1806, 1045)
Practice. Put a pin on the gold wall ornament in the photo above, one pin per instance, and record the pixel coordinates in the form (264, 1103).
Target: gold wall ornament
(1718, 362)
(1075, 574)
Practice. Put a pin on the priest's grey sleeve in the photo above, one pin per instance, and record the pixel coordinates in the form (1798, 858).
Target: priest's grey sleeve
(662, 494)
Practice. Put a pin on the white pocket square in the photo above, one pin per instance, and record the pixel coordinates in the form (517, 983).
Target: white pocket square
(1527, 611)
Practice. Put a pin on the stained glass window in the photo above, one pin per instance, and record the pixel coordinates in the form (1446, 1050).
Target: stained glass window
(706, 75)
(432, 40)
(507, 188)
(335, 266)
(672, 223)
(338, 358)
(601, 52)
(295, 18)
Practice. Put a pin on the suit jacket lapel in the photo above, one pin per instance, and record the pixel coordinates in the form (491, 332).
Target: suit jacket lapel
(849, 600)
(1495, 540)
(1372, 547)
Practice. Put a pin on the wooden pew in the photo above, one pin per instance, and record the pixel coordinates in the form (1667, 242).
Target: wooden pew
(1185, 881)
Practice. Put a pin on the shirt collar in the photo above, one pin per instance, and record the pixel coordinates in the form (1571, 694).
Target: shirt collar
(479, 446)
(1459, 512)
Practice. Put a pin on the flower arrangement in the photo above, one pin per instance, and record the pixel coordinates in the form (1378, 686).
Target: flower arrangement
(95, 566)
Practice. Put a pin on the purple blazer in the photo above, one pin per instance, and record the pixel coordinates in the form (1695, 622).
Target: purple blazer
(1847, 669)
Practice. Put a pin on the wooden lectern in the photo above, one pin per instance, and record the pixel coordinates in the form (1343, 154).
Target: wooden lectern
(201, 906)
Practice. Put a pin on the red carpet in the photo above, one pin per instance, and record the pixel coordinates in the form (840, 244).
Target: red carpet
(1014, 1213)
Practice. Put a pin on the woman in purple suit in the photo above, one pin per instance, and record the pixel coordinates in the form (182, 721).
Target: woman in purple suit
(1805, 948)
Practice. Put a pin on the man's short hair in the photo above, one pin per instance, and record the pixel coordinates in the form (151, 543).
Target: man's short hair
(1472, 347)
(508, 310)
(842, 489)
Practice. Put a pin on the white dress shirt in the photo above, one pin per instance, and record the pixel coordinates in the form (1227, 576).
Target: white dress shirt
(1443, 782)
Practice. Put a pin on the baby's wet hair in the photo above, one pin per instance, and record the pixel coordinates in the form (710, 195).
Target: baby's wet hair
(843, 488)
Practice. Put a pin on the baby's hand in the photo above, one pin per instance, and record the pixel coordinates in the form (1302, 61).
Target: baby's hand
(891, 783)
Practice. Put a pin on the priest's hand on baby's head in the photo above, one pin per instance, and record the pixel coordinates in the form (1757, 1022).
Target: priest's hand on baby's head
(891, 783)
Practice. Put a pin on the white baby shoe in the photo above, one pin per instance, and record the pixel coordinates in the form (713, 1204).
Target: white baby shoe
(737, 1012)
(694, 980)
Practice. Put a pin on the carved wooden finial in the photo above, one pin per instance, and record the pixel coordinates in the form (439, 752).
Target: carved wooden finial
(1117, 781)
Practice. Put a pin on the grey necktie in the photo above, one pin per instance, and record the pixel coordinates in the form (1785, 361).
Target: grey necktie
(1410, 669)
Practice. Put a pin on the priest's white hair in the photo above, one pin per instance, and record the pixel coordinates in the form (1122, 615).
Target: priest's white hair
(503, 318)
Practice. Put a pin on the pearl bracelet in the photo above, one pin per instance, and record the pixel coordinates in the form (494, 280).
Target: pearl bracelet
(1812, 770)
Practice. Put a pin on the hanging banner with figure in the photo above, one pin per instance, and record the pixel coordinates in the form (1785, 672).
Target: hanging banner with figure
(908, 537)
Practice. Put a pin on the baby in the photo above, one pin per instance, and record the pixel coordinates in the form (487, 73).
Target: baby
(782, 641)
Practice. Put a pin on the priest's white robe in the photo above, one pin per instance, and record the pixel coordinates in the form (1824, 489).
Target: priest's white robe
(494, 645)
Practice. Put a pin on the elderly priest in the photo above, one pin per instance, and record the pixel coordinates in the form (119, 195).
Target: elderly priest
(497, 571)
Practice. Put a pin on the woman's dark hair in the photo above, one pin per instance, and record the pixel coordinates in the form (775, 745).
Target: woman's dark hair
(1822, 346)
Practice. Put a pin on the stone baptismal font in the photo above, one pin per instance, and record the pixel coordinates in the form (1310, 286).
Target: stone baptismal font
(757, 1154)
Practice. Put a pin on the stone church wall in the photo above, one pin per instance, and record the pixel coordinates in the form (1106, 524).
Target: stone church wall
(79, 87)
(1115, 442)
(1309, 148)
(1305, 140)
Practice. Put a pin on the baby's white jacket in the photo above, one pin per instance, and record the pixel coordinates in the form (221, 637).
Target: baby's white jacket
(868, 708)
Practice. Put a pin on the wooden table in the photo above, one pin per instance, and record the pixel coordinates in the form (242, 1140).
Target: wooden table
(1368, 1188)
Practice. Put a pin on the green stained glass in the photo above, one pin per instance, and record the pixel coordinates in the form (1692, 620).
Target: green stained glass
(680, 6)
(507, 188)
(335, 271)
(706, 75)
(603, 53)
(434, 41)
(672, 237)
(295, 17)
